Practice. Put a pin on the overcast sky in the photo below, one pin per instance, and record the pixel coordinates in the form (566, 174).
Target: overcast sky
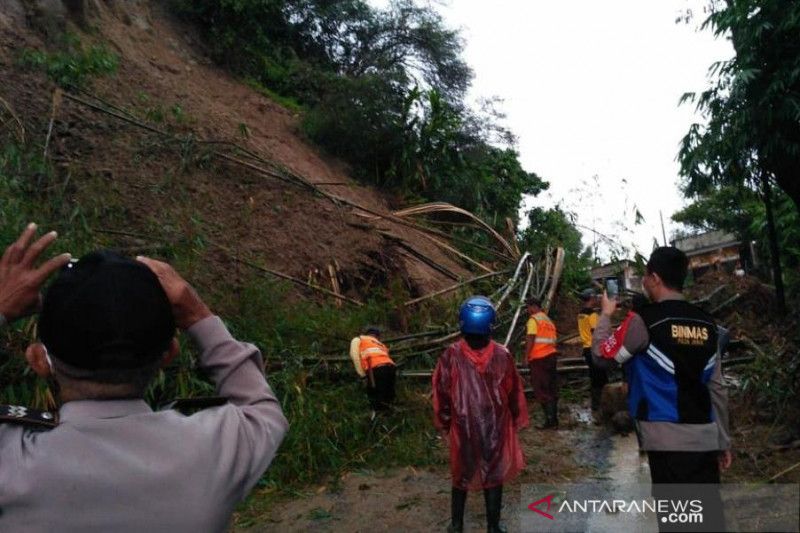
(591, 88)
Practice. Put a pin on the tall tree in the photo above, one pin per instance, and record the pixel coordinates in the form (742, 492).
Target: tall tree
(752, 134)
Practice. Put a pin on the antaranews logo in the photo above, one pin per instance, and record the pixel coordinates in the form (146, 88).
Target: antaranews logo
(673, 511)
(535, 506)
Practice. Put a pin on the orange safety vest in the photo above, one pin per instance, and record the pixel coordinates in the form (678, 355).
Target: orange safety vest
(545, 343)
(373, 353)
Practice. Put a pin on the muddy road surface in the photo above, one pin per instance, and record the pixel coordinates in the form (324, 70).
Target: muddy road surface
(410, 499)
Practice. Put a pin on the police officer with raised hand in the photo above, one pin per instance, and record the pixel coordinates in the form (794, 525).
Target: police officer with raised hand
(669, 351)
(109, 462)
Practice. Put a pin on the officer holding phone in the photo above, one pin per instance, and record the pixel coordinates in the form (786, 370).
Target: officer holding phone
(670, 354)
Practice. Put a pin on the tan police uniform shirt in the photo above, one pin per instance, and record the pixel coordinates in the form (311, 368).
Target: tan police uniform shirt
(119, 466)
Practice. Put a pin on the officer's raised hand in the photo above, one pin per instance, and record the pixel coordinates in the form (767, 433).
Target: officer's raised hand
(187, 307)
(20, 278)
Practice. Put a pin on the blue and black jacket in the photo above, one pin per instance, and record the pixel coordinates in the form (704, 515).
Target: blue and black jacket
(669, 378)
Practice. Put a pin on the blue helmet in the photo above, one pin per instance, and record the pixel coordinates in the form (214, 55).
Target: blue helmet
(476, 316)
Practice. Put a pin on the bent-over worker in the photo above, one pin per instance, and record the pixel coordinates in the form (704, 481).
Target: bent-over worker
(372, 362)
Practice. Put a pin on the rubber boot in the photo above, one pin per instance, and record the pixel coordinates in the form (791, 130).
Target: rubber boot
(550, 417)
(596, 392)
(494, 504)
(546, 420)
(458, 500)
(554, 415)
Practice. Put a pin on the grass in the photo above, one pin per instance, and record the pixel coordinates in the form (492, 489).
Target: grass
(73, 64)
(286, 101)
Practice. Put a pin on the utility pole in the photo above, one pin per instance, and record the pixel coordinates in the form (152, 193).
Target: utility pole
(663, 233)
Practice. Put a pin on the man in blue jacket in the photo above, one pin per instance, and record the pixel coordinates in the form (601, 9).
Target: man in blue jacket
(669, 351)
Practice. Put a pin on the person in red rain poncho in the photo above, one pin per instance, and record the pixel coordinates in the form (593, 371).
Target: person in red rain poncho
(479, 403)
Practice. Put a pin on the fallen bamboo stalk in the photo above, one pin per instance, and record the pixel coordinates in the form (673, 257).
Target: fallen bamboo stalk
(437, 207)
(451, 288)
(21, 126)
(726, 303)
(548, 265)
(423, 229)
(738, 360)
(558, 268)
(753, 346)
(571, 360)
(419, 255)
(782, 472)
(520, 370)
(522, 296)
(707, 298)
(334, 282)
(287, 277)
(512, 281)
(457, 253)
(123, 233)
(55, 105)
(412, 336)
(115, 114)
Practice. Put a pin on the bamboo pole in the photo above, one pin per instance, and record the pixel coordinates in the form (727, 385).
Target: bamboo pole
(457, 253)
(513, 281)
(55, 105)
(287, 277)
(558, 268)
(419, 255)
(522, 296)
(725, 304)
(451, 288)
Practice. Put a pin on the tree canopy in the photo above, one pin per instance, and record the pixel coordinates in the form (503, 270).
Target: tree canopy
(383, 89)
(753, 106)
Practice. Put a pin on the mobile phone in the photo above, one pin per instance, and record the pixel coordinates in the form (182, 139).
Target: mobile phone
(612, 288)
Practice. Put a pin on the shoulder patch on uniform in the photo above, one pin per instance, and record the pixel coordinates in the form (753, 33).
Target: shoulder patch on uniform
(18, 414)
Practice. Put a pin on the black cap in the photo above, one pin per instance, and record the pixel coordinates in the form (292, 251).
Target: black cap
(106, 312)
(587, 294)
(372, 330)
(536, 302)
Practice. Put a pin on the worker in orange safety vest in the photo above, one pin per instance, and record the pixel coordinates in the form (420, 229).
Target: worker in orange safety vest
(371, 361)
(541, 352)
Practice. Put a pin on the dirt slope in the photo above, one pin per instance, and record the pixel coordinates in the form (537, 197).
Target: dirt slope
(144, 182)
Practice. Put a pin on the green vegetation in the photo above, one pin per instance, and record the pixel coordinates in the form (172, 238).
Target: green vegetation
(753, 105)
(551, 227)
(382, 89)
(747, 145)
(73, 64)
